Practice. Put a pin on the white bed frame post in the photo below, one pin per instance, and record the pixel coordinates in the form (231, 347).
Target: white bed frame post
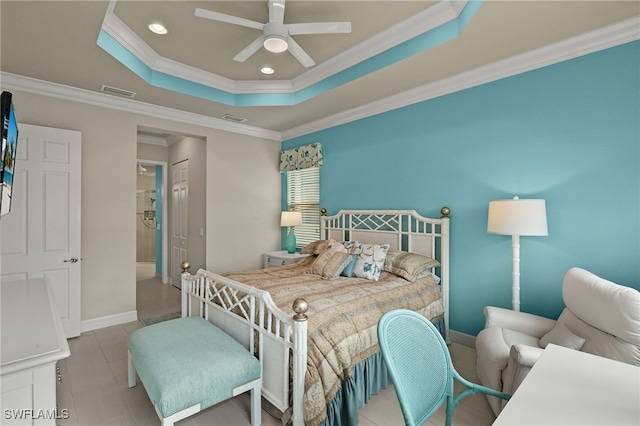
(299, 359)
(444, 268)
(184, 283)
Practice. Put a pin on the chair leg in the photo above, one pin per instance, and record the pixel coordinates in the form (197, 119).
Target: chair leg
(451, 406)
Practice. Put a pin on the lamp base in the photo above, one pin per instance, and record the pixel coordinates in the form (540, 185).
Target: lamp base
(291, 241)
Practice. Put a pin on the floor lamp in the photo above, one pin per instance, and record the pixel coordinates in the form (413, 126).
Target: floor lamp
(291, 219)
(517, 218)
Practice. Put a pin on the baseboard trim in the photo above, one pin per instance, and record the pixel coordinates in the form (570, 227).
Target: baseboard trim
(462, 339)
(108, 321)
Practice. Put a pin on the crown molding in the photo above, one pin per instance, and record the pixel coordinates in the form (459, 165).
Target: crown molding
(440, 13)
(420, 23)
(128, 39)
(60, 91)
(604, 38)
(611, 36)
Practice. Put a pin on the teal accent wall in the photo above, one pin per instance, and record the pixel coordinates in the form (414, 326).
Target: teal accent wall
(159, 230)
(568, 133)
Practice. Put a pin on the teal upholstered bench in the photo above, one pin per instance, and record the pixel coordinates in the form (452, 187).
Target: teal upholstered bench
(188, 364)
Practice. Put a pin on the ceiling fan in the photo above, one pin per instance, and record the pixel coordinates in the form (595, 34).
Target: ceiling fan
(276, 35)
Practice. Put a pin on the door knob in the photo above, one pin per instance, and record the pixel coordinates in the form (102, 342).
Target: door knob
(72, 260)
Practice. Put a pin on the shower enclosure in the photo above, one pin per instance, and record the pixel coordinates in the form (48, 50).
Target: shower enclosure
(146, 225)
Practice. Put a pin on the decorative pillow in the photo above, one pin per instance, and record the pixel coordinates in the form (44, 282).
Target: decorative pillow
(330, 264)
(348, 270)
(370, 262)
(315, 247)
(409, 266)
(562, 336)
(337, 246)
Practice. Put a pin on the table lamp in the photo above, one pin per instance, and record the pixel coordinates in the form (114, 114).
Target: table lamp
(291, 219)
(517, 218)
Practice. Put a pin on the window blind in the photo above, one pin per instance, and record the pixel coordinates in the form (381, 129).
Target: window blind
(303, 195)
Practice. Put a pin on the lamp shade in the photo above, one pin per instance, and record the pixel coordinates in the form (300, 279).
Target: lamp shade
(517, 217)
(291, 219)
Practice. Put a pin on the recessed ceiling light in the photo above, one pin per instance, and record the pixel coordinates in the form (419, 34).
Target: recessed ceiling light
(267, 70)
(158, 28)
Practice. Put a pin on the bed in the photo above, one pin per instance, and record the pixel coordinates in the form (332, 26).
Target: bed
(314, 331)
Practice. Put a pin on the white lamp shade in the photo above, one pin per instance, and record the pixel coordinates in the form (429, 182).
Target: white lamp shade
(291, 219)
(517, 217)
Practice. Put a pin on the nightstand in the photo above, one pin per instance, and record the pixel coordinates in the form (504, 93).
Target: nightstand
(281, 258)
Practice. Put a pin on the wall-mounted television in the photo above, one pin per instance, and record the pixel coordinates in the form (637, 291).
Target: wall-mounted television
(8, 154)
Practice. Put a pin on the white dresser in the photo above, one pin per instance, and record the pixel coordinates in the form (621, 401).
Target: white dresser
(32, 341)
(281, 258)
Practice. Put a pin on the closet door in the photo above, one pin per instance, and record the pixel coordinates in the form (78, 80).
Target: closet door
(179, 228)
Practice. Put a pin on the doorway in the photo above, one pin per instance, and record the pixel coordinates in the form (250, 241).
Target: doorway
(164, 151)
(151, 219)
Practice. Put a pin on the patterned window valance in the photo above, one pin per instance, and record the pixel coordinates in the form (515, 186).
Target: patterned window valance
(301, 157)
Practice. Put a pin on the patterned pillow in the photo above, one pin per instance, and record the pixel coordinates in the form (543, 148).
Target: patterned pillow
(338, 246)
(409, 266)
(315, 247)
(370, 262)
(330, 264)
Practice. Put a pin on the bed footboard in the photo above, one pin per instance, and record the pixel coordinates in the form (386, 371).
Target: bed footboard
(248, 314)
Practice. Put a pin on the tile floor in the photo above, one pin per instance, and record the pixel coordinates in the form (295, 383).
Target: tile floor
(94, 387)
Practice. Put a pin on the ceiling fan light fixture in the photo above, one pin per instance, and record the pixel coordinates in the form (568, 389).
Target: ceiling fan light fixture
(275, 44)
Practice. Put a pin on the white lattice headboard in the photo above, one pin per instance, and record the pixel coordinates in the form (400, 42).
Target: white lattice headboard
(402, 230)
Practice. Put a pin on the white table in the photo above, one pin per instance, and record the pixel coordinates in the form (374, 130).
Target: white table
(568, 387)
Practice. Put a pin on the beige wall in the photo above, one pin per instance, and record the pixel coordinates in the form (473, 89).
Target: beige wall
(151, 152)
(243, 202)
(242, 196)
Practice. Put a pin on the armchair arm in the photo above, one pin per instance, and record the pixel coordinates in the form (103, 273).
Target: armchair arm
(521, 359)
(530, 324)
(525, 355)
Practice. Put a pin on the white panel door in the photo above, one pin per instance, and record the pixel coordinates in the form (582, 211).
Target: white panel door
(40, 237)
(179, 228)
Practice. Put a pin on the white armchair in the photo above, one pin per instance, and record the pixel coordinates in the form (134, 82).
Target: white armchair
(600, 317)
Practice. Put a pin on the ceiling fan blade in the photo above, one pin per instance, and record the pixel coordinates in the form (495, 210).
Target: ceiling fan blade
(221, 17)
(300, 54)
(320, 28)
(276, 11)
(249, 50)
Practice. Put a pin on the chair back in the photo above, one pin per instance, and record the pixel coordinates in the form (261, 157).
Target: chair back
(418, 362)
(605, 314)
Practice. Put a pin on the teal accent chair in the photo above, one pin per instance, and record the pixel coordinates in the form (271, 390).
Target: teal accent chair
(420, 367)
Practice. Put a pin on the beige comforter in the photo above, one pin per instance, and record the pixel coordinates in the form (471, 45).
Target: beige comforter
(343, 317)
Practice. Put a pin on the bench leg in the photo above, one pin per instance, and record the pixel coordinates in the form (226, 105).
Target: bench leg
(132, 371)
(256, 399)
(256, 408)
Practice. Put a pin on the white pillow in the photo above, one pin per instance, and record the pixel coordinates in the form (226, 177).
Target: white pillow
(370, 262)
(562, 336)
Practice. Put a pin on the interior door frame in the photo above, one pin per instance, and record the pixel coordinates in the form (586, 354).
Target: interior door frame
(165, 216)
